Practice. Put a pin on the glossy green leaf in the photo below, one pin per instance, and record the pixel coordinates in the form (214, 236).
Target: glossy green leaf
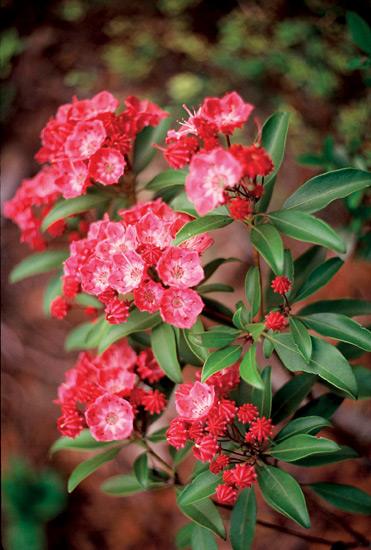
(86, 468)
(283, 493)
(124, 485)
(87, 300)
(325, 406)
(205, 513)
(178, 455)
(243, 520)
(363, 377)
(318, 278)
(212, 305)
(307, 425)
(323, 459)
(319, 191)
(78, 337)
(349, 351)
(203, 539)
(340, 327)
(144, 150)
(164, 349)
(83, 442)
(326, 361)
(199, 226)
(214, 339)
(158, 435)
(137, 321)
(304, 265)
(305, 227)
(263, 398)
(140, 470)
(166, 179)
(53, 290)
(241, 316)
(97, 332)
(212, 266)
(215, 287)
(345, 497)
(181, 203)
(186, 351)
(219, 360)
(346, 306)
(255, 329)
(252, 289)
(38, 263)
(183, 536)
(249, 370)
(203, 486)
(268, 348)
(68, 207)
(300, 446)
(287, 399)
(301, 337)
(200, 352)
(267, 241)
(361, 31)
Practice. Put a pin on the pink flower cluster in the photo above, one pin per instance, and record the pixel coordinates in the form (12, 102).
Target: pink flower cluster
(216, 175)
(85, 142)
(207, 417)
(135, 255)
(104, 394)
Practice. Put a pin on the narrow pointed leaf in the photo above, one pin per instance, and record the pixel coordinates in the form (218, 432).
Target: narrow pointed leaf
(219, 360)
(214, 339)
(86, 468)
(301, 446)
(283, 494)
(287, 399)
(137, 321)
(304, 265)
(318, 278)
(363, 377)
(345, 497)
(243, 520)
(361, 31)
(96, 334)
(307, 425)
(267, 241)
(199, 226)
(53, 290)
(252, 289)
(140, 470)
(255, 329)
(183, 536)
(186, 351)
(212, 266)
(325, 406)
(215, 287)
(323, 459)
(249, 369)
(340, 327)
(83, 442)
(78, 337)
(268, 348)
(168, 178)
(203, 539)
(38, 263)
(346, 306)
(124, 485)
(203, 486)
(301, 337)
(164, 349)
(205, 513)
(66, 208)
(201, 352)
(263, 398)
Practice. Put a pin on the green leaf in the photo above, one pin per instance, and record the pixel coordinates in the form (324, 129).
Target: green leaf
(306, 425)
(323, 459)
(363, 377)
(68, 207)
(137, 321)
(199, 226)
(268, 348)
(214, 339)
(304, 265)
(86, 468)
(124, 485)
(300, 446)
(216, 287)
(183, 536)
(164, 348)
(97, 332)
(205, 513)
(181, 203)
(216, 306)
(178, 455)
(305, 227)
(203, 486)
(53, 290)
(326, 361)
(319, 191)
(241, 316)
(360, 31)
(349, 351)
(243, 520)
(301, 337)
(167, 178)
(346, 306)
(203, 539)
(249, 369)
(340, 327)
(318, 278)
(158, 435)
(186, 351)
(263, 398)
(212, 266)
(78, 337)
(255, 329)
(144, 150)
(267, 241)
(252, 289)
(140, 470)
(283, 494)
(200, 352)
(345, 497)
(38, 263)
(88, 300)
(325, 406)
(287, 399)
(219, 360)
(83, 442)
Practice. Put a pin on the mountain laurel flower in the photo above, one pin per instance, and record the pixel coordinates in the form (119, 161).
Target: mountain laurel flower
(275, 321)
(247, 413)
(194, 401)
(106, 166)
(59, 308)
(226, 494)
(228, 113)
(206, 448)
(117, 311)
(177, 434)
(181, 307)
(154, 402)
(180, 268)
(281, 284)
(243, 475)
(110, 418)
(262, 428)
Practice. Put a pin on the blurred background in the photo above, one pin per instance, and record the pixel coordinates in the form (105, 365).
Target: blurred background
(302, 57)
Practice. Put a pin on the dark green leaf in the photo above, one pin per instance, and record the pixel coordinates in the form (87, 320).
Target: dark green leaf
(66, 208)
(86, 468)
(214, 339)
(215, 287)
(345, 497)
(243, 520)
(144, 150)
(97, 332)
(267, 241)
(166, 179)
(186, 351)
(88, 300)
(287, 399)
(363, 377)
(263, 398)
(268, 348)
(203, 486)
(306, 425)
(178, 455)
(305, 227)
(214, 305)
(137, 321)
(340, 327)
(219, 360)
(304, 265)
(300, 446)
(255, 329)
(205, 513)
(349, 351)
(318, 278)
(38, 263)
(325, 406)
(301, 337)
(203, 539)
(212, 266)
(183, 536)
(199, 226)
(158, 435)
(124, 485)
(181, 203)
(323, 459)
(283, 494)
(83, 442)
(249, 369)
(346, 306)
(200, 352)
(53, 290)
(164, 348)
(78, 337)
(360, 30)
(140, 470)
(319, 191)
(326, 361)
(241, 316)
(252, 289)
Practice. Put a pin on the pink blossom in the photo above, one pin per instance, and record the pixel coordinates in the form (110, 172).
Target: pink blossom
(148, 296)
(119, 355)
(151, 229)
(228, 113)
(72, 180)
(106, 166)
(94, 276)
(127, 272)
(110, 418)
(195, 401)
(181, 307)
(180, 268)
(85, 140)
(119, 239)
(116, 379)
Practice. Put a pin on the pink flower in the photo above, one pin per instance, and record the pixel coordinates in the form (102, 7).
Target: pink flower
(247, 413)
(226, 494)
(148, 368)
(148, 296)
(116, 379)
(181, 307)
(117, 311)
(127, 272)
(219, 463)
(262, 428)
(119, 355)
(180, 268)
(72, 179)
(206, 448)
(110, 418)
(243, 475)
(85, 140)
(106, 166)
(194, 401)
(177, 435)
(281, 284)
(154, 402)
(275, 321)
(59, 308)
(209, 174)
(228, 113)
(94, 276)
